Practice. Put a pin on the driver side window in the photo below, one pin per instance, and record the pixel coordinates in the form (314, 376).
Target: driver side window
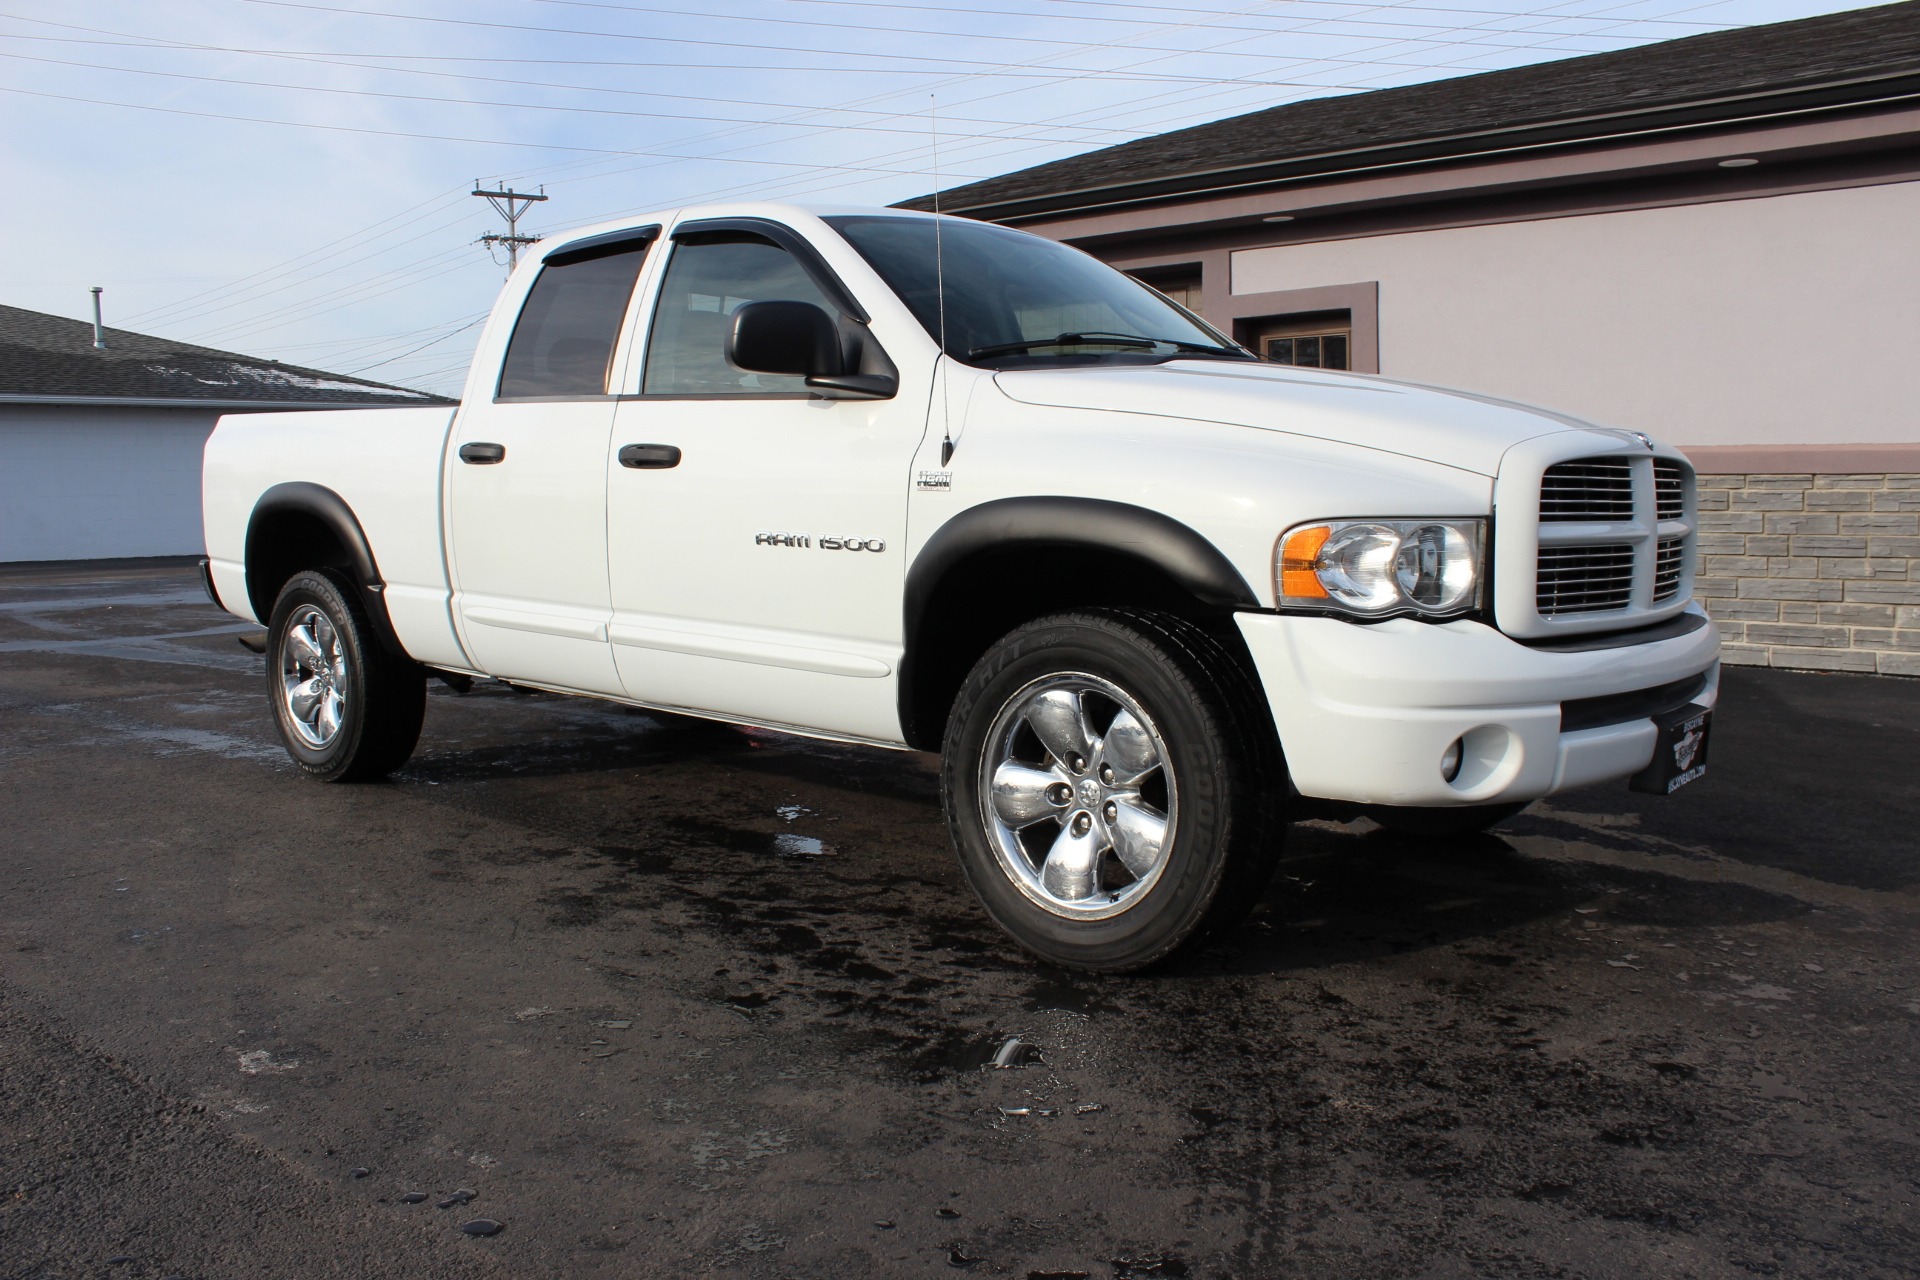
(710, 276)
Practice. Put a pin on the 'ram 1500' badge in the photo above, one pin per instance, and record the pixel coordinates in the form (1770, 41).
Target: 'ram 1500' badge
(827, 542)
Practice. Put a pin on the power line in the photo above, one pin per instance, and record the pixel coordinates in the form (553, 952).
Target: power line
(271, 279)
(735, 44)
(462, 102)
(294, 260)
(960, 79)
(297, 312)
(626, 35)
(362, 294)
(281, 267)
(433, 137)
(1206, 86)
(422, 347)
(1004, 71)
(1103, 19)
(359, 345)
(1226, 87)
(136, 42)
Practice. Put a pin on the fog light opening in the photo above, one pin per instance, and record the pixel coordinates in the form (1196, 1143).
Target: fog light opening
(1450, 761)
(1489, 758)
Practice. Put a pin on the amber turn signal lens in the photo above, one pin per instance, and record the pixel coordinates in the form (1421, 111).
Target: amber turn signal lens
(1298, 558)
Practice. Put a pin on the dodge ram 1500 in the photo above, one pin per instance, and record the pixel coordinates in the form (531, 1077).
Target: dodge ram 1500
(930, 483)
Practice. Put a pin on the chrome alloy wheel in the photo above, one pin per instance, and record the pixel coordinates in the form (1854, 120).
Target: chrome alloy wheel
(313, 676)
(1077, 796)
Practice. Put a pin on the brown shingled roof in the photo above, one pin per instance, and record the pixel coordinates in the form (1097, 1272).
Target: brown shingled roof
(1833, 60)
(53, 358)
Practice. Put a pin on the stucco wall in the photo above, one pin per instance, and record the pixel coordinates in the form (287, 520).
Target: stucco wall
(84, 482)
(1781, 320)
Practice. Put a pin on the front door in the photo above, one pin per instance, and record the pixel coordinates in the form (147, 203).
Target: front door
(756, 530)
(526, 481)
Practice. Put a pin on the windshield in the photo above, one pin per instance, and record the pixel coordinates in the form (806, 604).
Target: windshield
(1014, 298)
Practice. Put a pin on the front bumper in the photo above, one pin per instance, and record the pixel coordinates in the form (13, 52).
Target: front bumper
(1365, 713)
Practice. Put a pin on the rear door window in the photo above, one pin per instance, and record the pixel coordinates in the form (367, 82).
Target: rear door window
(566, 333)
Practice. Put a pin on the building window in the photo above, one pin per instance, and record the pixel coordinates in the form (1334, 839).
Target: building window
(1322, 340)
(1310, 350)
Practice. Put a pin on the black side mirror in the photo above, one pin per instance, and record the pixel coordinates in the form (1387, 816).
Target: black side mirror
(794, 338)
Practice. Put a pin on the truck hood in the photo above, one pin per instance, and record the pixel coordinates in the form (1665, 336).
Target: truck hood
(1453, 428)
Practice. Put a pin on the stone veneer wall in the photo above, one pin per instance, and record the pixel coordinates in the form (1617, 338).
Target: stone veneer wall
(1817, 572)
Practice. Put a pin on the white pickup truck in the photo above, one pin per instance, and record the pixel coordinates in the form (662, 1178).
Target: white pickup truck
(930, 483)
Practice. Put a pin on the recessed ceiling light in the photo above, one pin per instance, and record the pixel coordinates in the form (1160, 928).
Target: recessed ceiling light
(1278, 217)
(1744, 162)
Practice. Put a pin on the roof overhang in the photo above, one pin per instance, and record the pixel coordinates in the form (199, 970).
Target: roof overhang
(1790, 153)
(1746, 109)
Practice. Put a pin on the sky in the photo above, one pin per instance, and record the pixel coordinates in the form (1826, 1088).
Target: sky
(291, 179)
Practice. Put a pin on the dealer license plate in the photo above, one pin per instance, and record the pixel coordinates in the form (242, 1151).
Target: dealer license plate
(1681, 754)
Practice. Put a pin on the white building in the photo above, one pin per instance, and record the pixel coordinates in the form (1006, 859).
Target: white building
(100, 445)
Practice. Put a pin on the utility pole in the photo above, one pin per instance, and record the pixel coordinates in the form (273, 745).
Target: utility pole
(510, 204)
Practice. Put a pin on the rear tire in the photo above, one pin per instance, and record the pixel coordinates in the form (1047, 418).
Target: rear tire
(347, 709)
(1109, 793)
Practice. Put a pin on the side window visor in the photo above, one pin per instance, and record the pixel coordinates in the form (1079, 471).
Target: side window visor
(565, 336)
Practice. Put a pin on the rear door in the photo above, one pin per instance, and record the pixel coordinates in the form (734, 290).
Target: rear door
(526, 477)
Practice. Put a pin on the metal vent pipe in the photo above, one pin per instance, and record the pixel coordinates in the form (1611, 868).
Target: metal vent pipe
(99, 333)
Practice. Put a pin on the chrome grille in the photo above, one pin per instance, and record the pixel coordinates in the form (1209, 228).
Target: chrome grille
(1669, 489)
(1593, 542)
(1584, 579)
(1670, 559)
(1590, 489)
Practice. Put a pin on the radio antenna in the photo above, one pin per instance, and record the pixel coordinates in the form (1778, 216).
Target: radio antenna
(940, 287)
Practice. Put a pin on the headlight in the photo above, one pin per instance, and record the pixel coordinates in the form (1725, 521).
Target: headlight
(1378, 568)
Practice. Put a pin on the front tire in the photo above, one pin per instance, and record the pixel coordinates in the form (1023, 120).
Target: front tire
(1109, 795)
(347, 709)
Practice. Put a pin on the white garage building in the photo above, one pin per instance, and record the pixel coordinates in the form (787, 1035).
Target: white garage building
(100, 445)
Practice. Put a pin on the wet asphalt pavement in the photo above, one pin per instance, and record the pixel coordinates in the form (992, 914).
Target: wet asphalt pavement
(673, 999)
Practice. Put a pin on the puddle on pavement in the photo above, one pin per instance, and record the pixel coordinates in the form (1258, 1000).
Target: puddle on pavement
(962, 1053)
(787, 845)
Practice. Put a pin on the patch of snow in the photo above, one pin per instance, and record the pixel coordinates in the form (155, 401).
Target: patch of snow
(262, 375)
(284, 378)
(166, 371)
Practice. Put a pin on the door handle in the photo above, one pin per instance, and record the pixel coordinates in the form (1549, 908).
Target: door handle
(483, 454)
(656, 457)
